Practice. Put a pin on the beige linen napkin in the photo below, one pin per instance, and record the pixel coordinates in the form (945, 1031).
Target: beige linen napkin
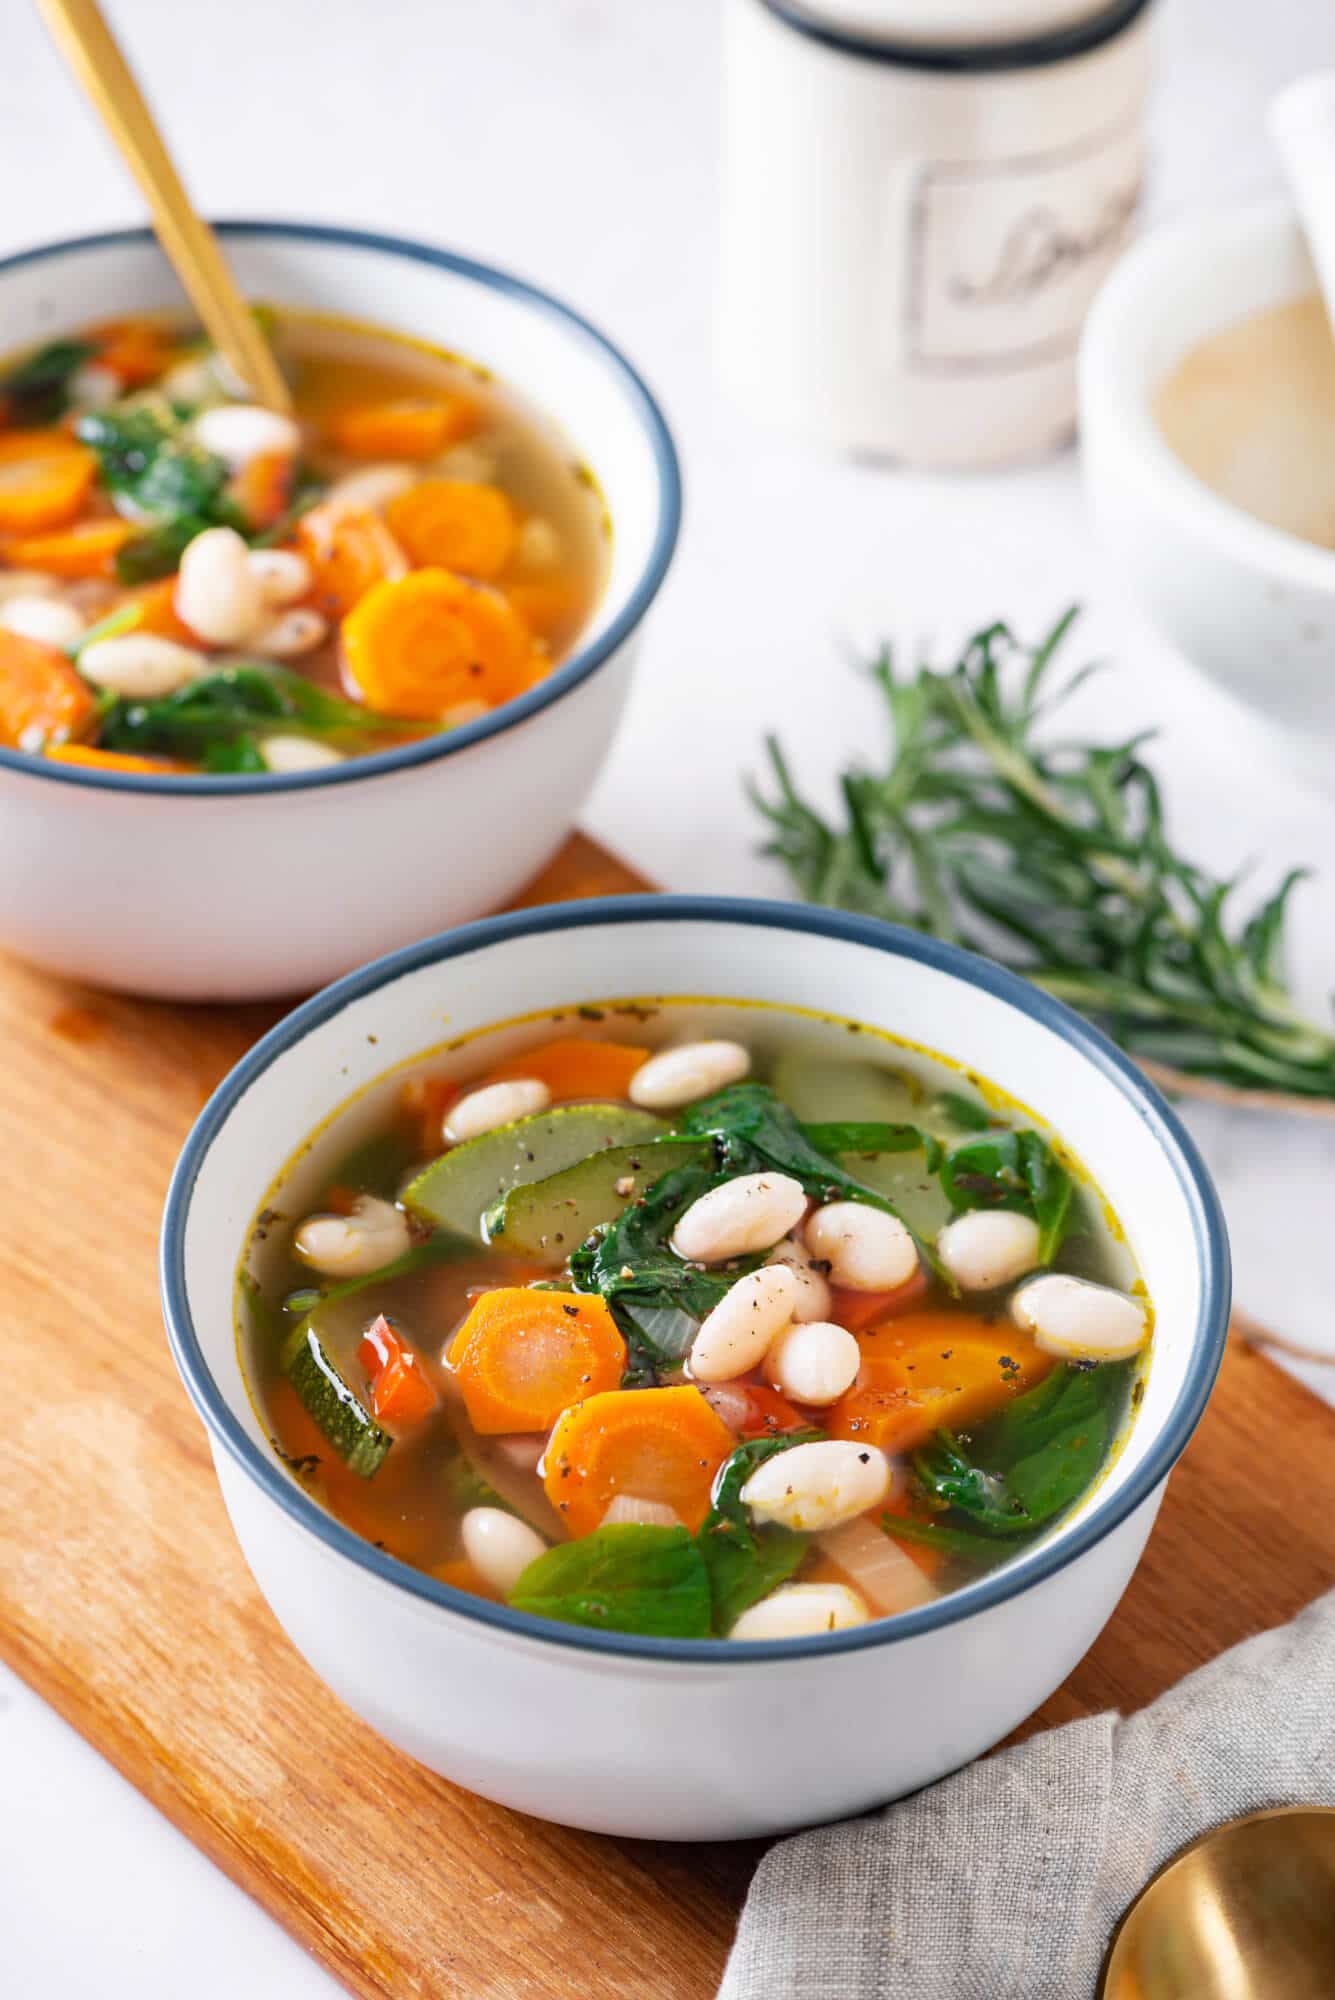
(1005, 1881)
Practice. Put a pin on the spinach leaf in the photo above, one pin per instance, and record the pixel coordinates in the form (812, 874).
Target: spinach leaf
(629, 1577)
(1034, 1460)
(1053, 1440)
(160, 478)
(36, 391)
(947, 1472)
(231, 754)
(966, 1112)
(951, 1541)
(744, 1562)
(753, 1129)
(230, 702)
(657, 1300)
(1016, 1170)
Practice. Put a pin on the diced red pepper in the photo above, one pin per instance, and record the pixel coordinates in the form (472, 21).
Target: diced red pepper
(402, 1393)
(859, 1310)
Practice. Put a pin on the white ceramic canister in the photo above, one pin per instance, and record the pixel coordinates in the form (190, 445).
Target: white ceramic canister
(912, 230)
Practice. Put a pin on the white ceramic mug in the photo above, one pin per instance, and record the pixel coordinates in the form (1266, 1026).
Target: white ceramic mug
(911, 233)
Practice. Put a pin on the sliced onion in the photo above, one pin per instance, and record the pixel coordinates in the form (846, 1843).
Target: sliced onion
(889, 1579)
(522, 1450)
(729, 1401)
(648, 1513)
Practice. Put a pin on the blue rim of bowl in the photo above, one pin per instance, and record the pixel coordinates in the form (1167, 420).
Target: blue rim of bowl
(1033, 51)
(568, 675)
(1210, 1249)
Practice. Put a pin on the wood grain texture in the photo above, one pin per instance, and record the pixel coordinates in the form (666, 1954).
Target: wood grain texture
(125, 1602)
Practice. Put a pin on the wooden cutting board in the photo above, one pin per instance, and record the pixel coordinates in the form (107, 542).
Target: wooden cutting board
(125, 1602)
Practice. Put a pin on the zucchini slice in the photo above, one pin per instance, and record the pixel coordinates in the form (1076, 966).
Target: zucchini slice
(548, 1218)
(824, 1087)
(330, 1399)
(456, 1190)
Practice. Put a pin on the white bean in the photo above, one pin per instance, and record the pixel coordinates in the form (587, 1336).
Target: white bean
(1080, 1321)
(813, 1292)
(352, 1246)
(372, 486)
(813, 1362)
(291, 634)
(866, 1249)
(734, 1336)
(474, 462)
(819, 1485)
(747, 1214)
(495, 1104)
(799, 1610)
(286, 754)
(217, 593)
(644, 1513)
(141, 665)
(92, 387)
(283, 575)
(45, 619)
(193, 380)
(988, 1247)
(26, 583)
(539, 545)
(500, 1546)
(238, 432)
(678, 1076)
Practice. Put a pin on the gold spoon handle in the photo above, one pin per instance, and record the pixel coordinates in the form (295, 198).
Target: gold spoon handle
(91, 50)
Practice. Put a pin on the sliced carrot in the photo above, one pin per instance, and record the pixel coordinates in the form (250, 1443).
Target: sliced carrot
(42, 699)
(572, 1068)
(858, 1310)
(553, 610)
(402, 1393)
(410, 427)
(349, 549)
(262, 489)
(88, 549)
(137, 350)
(454, 524)
(659, 1444)
(522, 1356)
(417, 646)
(154, 607)
(113, 760)
(425, 1100)
(932, 1368)
(45, 477)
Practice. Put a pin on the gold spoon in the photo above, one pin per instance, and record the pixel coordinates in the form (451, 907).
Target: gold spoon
(1247, 1912)
(90, 49)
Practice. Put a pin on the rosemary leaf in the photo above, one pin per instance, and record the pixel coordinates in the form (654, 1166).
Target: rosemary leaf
(1053, 857)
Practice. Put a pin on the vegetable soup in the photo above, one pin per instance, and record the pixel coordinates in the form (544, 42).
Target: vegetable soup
(692, 1318)
(191, 583)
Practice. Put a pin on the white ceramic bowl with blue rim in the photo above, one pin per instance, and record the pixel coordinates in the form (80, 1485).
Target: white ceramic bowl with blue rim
(1250, 604)
(238, 888)
(675, 1739)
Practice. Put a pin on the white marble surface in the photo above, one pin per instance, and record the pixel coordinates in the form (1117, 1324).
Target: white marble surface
(575, 141)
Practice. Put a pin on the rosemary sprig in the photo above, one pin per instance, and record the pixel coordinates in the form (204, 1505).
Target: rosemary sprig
(1052, 856)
